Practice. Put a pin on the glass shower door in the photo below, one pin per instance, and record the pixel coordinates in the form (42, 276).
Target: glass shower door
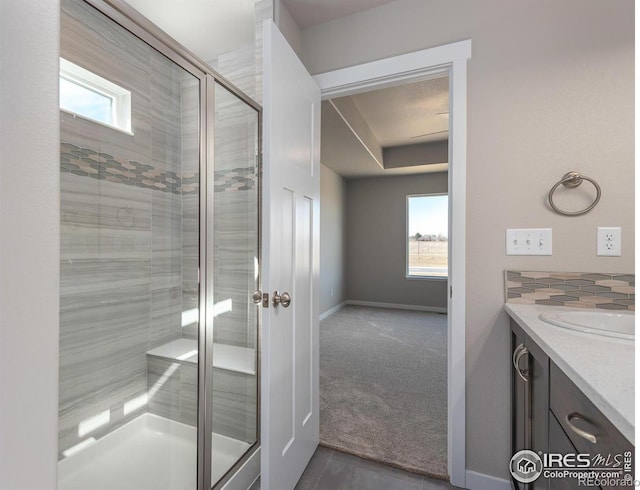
(130, 228)
(236, 256)
(160, 257)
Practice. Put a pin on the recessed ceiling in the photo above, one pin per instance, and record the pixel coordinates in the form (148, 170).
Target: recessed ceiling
(309, 13)
(396, 130)
(415, 113)
(344, 153)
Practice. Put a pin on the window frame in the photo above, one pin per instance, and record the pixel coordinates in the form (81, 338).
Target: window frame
(406, 266)
(120, 97)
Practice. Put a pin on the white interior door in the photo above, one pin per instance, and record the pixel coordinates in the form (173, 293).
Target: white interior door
(291, 225)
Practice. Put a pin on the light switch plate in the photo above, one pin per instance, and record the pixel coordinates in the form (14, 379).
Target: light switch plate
(609, 241)
(529, 241)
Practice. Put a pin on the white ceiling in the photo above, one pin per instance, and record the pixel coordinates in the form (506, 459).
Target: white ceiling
(208, 28)
(397, 116)
(415, 113)
(309, 13)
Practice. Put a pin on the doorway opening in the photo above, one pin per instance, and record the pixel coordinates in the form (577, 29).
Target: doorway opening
(448, 60)
(383, 357)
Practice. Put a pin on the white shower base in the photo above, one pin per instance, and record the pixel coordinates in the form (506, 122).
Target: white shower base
(150, 452)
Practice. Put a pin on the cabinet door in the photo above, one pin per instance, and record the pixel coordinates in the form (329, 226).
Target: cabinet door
(520, 426)
(538, 366)
(530, 399)
(519, 414)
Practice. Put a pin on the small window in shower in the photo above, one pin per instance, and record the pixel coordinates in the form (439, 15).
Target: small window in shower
(87, 95)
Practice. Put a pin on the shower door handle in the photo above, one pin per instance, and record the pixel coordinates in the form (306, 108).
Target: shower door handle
(283, 299)
(259, 297)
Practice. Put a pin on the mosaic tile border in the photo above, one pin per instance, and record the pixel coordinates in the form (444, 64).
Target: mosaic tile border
(238, 179)
(574, 289)
(102, 166)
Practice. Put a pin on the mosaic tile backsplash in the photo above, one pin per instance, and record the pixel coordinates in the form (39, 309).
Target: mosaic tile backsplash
(90, 163)
(574, 289)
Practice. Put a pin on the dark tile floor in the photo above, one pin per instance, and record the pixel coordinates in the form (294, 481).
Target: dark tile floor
(333, 470)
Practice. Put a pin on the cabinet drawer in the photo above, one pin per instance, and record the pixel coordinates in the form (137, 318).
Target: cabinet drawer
(560, 443)
(575, 413)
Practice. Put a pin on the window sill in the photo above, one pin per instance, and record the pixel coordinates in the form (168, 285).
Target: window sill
(427, 278)
(95, 121)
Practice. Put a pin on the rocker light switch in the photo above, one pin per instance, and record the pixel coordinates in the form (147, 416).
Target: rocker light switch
(529, 241)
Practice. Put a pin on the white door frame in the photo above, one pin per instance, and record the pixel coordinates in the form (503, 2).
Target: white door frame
(448, 59)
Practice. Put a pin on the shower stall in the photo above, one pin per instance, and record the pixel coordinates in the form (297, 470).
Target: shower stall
(160, 255)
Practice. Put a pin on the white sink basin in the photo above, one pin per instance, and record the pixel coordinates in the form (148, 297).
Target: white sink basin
(619, 325)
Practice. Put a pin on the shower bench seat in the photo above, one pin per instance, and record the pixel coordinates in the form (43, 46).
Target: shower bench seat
(228, 357)
(172, 382)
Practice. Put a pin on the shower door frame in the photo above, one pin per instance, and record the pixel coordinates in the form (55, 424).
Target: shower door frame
(138, 25)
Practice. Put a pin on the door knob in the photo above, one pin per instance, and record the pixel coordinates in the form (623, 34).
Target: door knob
(283, 299)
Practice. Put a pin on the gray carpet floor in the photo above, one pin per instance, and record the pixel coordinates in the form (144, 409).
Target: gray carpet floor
(383, 387)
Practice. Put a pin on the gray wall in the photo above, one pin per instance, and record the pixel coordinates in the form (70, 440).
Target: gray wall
(550, 89)
(377, 241)
(29, 251)
(333, 199)
(288, 26)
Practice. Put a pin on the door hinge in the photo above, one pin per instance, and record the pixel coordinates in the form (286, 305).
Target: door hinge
(451, 291)
(265, 300)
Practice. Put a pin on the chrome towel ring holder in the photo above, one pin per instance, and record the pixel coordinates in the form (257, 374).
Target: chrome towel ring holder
(572, 180)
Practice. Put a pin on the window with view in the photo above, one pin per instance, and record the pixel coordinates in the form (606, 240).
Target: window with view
(89, 96)
(427, 236)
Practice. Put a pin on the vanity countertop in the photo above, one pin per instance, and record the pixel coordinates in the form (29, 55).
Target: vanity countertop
(602, 367)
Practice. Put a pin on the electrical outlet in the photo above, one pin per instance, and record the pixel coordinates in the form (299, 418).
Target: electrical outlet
(529, 241)
(609, 241)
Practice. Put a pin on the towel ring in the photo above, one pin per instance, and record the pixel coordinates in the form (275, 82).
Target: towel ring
(572, 180)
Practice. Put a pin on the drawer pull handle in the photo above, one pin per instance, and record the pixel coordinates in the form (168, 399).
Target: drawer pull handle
(519, 353)
(582, 433)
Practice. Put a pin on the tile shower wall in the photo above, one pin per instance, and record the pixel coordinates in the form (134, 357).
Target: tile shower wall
(235, 232)
(174, 388)
(190, 207)
(235, 246)
(121, 226)
(574, 289)
(235, 220)
(244, 66)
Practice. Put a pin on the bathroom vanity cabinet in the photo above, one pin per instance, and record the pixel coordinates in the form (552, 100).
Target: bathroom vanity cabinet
(550, 414)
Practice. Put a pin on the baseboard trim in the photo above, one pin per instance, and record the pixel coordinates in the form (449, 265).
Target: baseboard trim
(397, 306)
(331, 311)
(480, 481)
